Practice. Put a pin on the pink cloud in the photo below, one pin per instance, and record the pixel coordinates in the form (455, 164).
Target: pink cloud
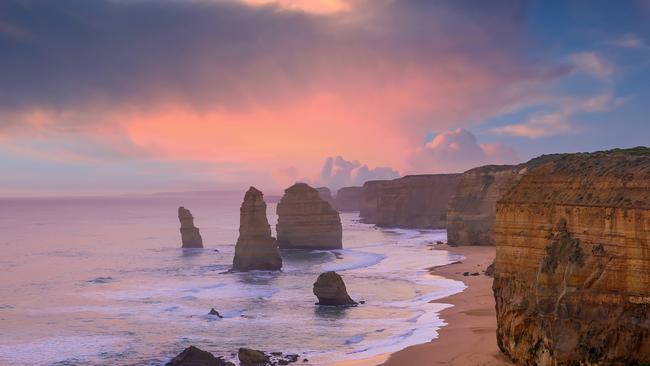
(457, 151)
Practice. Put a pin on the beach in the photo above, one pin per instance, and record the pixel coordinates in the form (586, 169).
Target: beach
(469, 336)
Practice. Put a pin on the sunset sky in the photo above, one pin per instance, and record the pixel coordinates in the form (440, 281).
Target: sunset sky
(121, 96)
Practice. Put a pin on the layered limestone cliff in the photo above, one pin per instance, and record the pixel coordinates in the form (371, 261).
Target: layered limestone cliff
(190, 235)
(472, 209)
(256, 249)
(414, 201)
(348, 199)
(306, 221)
(572, 269)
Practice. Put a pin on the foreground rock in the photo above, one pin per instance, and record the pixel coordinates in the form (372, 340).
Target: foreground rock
(256, 249)
(348, 199)
(330, 289)
(190, 235)
(251, 357)
(414, 201)
(572, 269)
(193, 356)
(306, 221)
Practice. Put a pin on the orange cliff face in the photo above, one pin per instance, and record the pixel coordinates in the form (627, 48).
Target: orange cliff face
(572, 281)
(413, 201)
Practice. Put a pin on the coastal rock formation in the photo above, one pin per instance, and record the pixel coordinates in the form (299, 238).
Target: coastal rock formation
(348, 199)
(306, 221)
(256, 249)
(413, 201)
(252, 357)
(193, 356)
(330, 289)
(326, 195)
(572, 279)
(190, 235)
(472, 209)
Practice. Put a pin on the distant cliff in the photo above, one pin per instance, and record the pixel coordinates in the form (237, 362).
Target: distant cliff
(348, 199)
(414, 201)
(572, 279)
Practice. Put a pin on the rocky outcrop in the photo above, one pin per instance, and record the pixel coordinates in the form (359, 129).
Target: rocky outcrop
(572, 269)
(472, 209)
(326, 194)
(252, 357)
(256, 249)
(193, 356)
(190, 235)
(330, 289)
(413, 201)
(306, 221)
(348, 199)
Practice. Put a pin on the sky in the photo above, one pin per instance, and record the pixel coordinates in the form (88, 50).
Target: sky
(140, 96)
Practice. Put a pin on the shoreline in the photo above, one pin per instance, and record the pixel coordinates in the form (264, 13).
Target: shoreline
(469, 338)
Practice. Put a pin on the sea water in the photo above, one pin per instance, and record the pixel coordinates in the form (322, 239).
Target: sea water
(103, 281)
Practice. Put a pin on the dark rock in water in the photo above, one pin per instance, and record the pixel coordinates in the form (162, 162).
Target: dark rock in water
(292, 358)
(193, 356)
(305, 360)
(465, 273)
(475, 274)
(102, 280)
(214, 312)
(256, 249)
(251, 357)
(489, 271)
(362, 302)
(330, 290)
(277, 354)
(190, 235)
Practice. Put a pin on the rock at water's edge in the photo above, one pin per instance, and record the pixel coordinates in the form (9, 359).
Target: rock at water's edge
(251, 357)
(330, 289)
(193, 356)
(190, 235)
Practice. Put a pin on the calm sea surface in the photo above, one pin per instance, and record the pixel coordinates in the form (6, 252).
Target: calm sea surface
(104, 282)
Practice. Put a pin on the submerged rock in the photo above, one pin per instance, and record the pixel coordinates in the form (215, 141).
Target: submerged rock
(193, 356)
(572, 279)
(215, 313)
(306, 221)
(252, 357)
(256, 249)
(330, 289)
(190, 235)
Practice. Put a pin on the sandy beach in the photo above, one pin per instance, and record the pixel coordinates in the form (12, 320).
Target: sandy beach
(469, 338)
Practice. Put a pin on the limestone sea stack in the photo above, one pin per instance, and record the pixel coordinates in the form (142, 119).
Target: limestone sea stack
(330, 289)
(256, 249)
(190, 235)
(348, 199)
(572, 269)
(326, 194)
(306, 221)
(414, 201)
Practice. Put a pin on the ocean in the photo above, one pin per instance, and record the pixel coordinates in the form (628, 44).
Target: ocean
(103, 281)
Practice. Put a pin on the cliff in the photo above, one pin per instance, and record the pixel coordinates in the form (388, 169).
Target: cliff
(306, 221)
(348, 199)
(190, 235)
(414, 201)
(472, 209)
(256, 249)
(326, 195)
(572, 269)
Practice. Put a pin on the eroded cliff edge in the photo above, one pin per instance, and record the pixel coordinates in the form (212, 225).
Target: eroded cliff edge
(572, 281)
(413, 201)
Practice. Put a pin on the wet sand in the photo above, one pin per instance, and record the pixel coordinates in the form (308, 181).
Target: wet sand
(469, 338)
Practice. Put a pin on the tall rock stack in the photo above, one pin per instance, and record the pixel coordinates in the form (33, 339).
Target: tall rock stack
(413, 201)
(190, 235)
(306, 221)
(572, 270)
(256, 249)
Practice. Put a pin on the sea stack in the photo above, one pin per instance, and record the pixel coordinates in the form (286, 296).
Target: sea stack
(190, 235)
(330, 289)
(306, 221)
(572, 269)
(256, 249)
(348, 199)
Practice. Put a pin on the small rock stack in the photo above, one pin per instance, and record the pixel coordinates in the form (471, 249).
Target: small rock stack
(190, 235)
